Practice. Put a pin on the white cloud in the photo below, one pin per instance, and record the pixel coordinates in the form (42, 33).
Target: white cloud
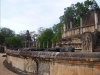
(31, 14)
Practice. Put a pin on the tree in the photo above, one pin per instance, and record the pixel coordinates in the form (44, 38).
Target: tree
(14, 42)
(45, 37)
(6, 32)
(40, 30)
(2, 39)
(90, 4)
(57, 32)
(74, 12)
(33, 35)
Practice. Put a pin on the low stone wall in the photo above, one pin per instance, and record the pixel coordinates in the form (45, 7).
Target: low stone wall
(55, 63)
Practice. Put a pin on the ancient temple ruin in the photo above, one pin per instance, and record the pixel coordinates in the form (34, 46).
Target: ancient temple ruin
(86, 37)
(84, 61)
(27, 40)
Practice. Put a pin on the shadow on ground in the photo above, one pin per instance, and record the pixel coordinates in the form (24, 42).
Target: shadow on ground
(13, 69)
(3, 55)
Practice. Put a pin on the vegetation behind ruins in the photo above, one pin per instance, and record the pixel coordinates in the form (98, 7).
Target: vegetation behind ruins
(53, 34)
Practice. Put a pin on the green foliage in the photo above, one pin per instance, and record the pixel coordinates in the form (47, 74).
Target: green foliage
(40, 30)
(50, 35)
(72, 13)
(76, 10)
(14, 41)
(6, 32)
(57, 32)
(45, 37)
(53, 34)
(2, 39)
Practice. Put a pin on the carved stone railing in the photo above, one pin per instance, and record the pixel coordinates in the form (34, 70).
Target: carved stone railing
(88, 28)
(70, 32)
(76, 31)
(52, 63)
(94, 56)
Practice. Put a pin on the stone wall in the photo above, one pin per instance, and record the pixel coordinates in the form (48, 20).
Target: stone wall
(89, 18)
(55, 63)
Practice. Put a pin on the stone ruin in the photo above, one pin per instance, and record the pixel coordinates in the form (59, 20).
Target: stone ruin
(85, 38)
(27, 40)
(29, 45)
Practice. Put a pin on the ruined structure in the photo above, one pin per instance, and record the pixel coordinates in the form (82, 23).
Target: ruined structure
(27, 40)
(84, 61)
(54, 63)
(86, 36)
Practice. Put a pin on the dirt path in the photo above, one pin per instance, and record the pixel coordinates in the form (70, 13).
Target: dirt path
(3, 69)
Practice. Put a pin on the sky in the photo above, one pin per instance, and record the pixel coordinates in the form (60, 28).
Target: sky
(19, 15)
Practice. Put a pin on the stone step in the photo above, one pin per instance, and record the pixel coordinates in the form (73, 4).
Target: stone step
(98, 46)
(78, 48)
(96, 50)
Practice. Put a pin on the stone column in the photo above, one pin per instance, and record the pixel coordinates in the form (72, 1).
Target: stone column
(39, 44)
(62, 32)
(25, 43)
(52, 45)
(64, 28)
(43, 44)
(67, 27)
(56, 44)
(28, 43)
(47, 44)
(5, 48)
(96, 19)
(36, 44)
(80, 25)
(71, 26)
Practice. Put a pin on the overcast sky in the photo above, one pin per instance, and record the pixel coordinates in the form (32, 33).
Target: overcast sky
(20, 15)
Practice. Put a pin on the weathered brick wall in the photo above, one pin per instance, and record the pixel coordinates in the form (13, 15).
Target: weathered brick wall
(56, 63)
(75, 68)
(89, 18)
(44, 68)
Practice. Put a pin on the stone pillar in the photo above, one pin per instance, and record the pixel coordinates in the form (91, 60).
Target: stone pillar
(52, 45)
(96, 19)
(61, 29)
(80, 25)
(25, 44)
(5, 48)
(36, 44)
(28, 43)
(43, 44)
(39, 44)
(64, 28)
(67, 27)
(56, 44)
(71, 26)
(47, 44)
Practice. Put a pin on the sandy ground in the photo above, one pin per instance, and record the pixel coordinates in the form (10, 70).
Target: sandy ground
(3, 69)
